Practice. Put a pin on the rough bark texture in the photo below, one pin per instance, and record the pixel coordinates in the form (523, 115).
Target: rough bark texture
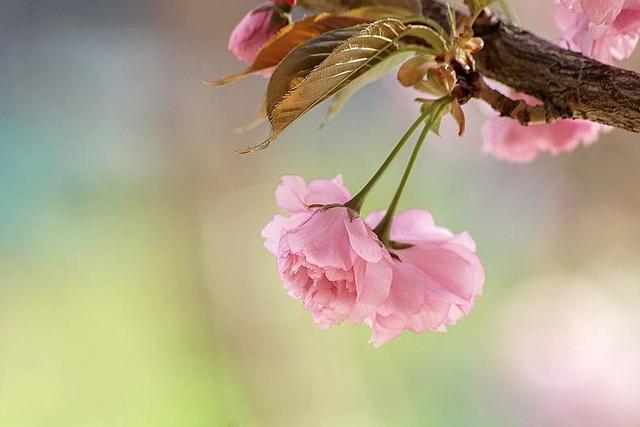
(569, 84)
(519, 110)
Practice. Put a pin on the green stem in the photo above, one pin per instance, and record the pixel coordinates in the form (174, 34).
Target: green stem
(509, 11)
(357, 201)
(382, 230)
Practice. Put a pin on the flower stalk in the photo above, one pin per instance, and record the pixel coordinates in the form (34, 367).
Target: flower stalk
(434, 113)
(357, 201)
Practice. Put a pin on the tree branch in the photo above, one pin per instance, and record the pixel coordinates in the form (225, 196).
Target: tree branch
(570, 85)
(516, 109)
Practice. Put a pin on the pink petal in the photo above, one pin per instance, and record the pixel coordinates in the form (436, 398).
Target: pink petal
(383, 334)
(411, 225)
(602, 30)
(465, 240)
(416, 225)
(323, 192)
(506, 139)
(374, 218)
(571, 4)
(251, 33)
(602, 11)
(432, 317)
(279, 225)
(364, 242)
(373, 281)
(407, 290)
(291, 194)
(323, 240)
(451, 266)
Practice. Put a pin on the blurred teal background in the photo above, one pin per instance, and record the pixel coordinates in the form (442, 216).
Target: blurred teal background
(134, 289)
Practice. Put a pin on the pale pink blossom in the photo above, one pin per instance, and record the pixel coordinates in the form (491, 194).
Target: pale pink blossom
(258, 27)
(300, 200)
(605, 30)
(327, 256)
(436, 278)
(598, 11)
(507, 139)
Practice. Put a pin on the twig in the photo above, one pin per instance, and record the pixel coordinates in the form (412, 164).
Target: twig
(516, 109)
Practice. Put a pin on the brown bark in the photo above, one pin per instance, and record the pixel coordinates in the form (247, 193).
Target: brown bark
(571, 85)
(519, 110)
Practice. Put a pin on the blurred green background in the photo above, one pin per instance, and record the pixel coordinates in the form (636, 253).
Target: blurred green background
(134, 289)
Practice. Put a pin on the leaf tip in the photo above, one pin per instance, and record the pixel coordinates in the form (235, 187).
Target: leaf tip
(226, 80)
(256, 147)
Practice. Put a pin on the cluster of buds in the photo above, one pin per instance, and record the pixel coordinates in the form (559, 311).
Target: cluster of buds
(450, 70)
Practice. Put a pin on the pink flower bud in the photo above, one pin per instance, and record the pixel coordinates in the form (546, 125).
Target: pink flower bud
(257, 28)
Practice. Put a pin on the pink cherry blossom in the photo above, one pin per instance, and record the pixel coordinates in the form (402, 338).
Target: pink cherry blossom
(507, 139)
(603, 30)
(300, 201)
(257, 28)
(327, 256)
(598, 11)
(436, 278)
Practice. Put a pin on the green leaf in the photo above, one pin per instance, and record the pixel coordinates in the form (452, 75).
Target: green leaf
(429, 35)
(375, 73)
(350, 60)
(301, 61)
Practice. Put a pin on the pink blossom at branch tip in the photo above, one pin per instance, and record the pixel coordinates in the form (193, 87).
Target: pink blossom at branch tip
(598, 11)
(256, 29)
(507, 139)
(605, 30)
(602, 29)
(436, 278)
(327, 257)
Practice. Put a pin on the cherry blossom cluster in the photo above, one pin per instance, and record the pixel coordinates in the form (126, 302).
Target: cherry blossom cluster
(332, 260)
(402, 272)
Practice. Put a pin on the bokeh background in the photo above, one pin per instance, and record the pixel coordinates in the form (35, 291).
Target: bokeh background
(134, 289)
